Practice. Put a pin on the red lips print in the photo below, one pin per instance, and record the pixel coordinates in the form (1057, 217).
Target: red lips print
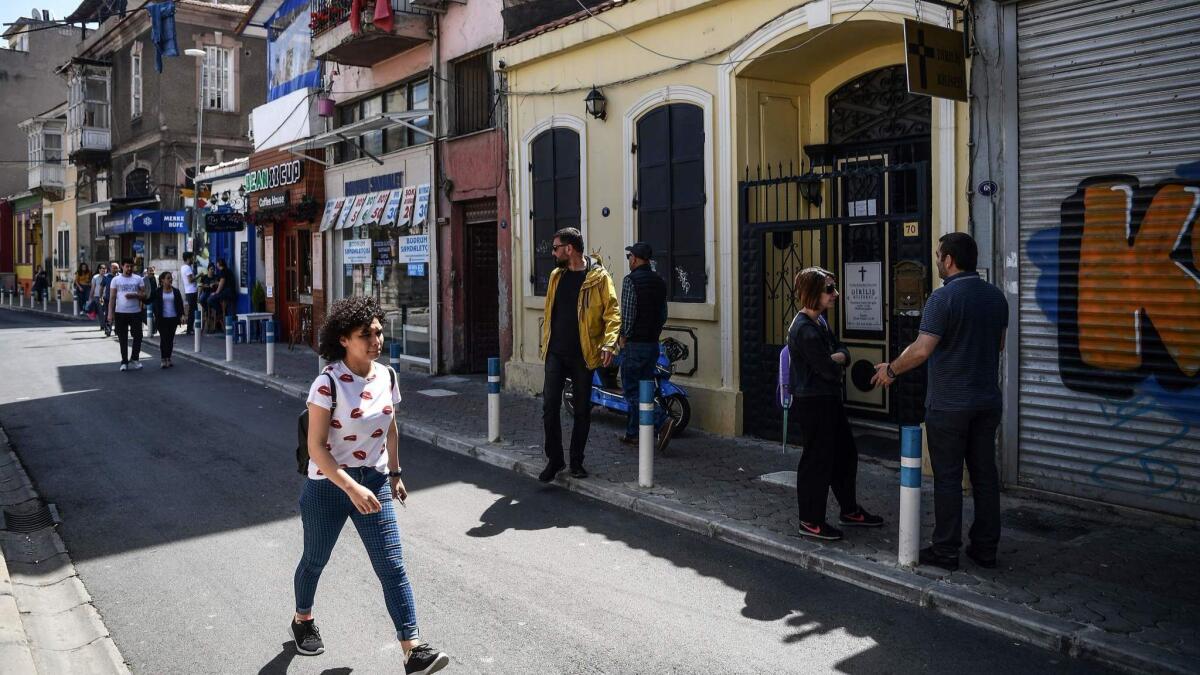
(366, 394)
(377, 433)
(351, 437)
(320, 473)
(356, 413)
(387, 410)
(324, 391)
(344, 466)
(335, 424)
(328, 446)
(360, 454)
(345, 378)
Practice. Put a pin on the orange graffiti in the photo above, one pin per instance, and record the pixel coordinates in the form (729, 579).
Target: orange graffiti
(1132, 272)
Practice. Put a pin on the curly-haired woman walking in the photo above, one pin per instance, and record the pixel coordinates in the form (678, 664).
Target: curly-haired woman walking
(354, 472)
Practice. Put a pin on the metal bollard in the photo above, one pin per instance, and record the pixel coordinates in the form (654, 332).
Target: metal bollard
(394, 355)
(271, 347)
(493, 399)
(645, 433)
(199, 328)
(20, 296)
(150, 319)
(74, 306)
(58, 302)
(910, 495)
(229, 339)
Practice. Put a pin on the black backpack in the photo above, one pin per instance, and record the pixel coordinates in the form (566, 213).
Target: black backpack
(302, 423)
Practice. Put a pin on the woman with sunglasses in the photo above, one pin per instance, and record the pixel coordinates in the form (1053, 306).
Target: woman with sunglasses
(830, 457)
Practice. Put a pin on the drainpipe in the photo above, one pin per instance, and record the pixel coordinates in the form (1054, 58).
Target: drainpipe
(435, 88)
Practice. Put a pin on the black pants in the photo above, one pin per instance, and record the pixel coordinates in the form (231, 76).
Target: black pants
(558, 369)
(830, 458)
(166, 334)
(964, 436)
(191, 310)
(124, 322)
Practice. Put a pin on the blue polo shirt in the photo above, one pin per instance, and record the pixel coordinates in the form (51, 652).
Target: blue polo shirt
(969, 316)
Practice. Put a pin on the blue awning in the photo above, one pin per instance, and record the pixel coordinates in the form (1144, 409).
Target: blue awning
(143, 220)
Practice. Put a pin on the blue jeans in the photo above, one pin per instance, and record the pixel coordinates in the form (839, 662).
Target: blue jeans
(324, 508)
(638, 361)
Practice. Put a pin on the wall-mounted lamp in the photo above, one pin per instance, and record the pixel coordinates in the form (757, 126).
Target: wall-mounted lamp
(595, 104)
(810, 190)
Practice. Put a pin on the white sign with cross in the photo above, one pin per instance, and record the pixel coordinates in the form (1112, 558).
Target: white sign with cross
(862, 295)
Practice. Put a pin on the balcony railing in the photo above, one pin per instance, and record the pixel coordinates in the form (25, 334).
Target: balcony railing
(47, 176)
(328, 14)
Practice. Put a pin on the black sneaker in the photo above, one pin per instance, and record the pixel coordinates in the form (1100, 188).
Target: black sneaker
(820, 531)
(981, 559)
(551, 471)
(424, 659)
(578, 472)
(932, 558)
(860, 518)
(308, 637)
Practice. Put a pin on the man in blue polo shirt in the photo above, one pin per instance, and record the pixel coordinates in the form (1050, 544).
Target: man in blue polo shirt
(962, 335)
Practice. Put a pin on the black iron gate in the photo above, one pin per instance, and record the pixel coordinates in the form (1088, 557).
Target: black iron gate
(865, 216)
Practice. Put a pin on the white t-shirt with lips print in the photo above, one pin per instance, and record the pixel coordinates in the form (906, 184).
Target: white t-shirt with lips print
(358, 428)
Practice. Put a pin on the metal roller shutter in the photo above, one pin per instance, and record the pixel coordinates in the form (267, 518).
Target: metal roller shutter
(1109, 388)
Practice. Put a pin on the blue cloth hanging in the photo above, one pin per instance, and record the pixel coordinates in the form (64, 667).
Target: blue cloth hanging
(162, 31)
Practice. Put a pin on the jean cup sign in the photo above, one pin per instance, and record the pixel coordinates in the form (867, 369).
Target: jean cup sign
(279, 175)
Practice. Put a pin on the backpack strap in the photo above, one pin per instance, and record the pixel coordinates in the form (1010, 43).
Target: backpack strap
(392, 374)
(333, 392)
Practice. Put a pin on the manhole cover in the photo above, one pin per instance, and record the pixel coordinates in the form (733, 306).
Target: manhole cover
(27, 518)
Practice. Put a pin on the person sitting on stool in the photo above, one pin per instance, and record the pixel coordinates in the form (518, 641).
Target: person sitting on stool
(225, 293)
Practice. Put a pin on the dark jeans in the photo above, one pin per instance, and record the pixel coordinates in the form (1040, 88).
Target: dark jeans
(964, 436)
(558, 369)
(191, 311)
(830, 458)
(124, 322)
(637, 363)
(166, 332)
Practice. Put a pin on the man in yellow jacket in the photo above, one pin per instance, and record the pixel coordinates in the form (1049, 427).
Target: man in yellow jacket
(579, 334)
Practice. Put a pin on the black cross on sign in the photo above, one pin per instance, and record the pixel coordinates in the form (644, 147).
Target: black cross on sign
(862, 274)
(922, 52)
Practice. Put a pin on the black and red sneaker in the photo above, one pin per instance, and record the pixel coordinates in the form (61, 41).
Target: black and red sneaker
(860, 518)
(820, 531)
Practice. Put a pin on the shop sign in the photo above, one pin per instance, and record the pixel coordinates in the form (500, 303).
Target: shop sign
(383, 252)
(356, 251)
(414, 249)
(368, 210)
(406, 205)
(244, 265)
(378, 207)
(350, 211)
(862, 300)
(269, 259)
(936, 61)
(422, 208)
(279, 175)
(391, 209)
(224, 222)
(139, 246)
(333, 208)
(275, 201)
(416, 269)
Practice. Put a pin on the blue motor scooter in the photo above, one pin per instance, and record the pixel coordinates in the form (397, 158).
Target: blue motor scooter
(607, 392)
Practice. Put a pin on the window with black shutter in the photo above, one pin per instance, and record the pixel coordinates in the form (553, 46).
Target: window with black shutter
(473, 94)
(137, 183)
(554, 173)
(670, 196)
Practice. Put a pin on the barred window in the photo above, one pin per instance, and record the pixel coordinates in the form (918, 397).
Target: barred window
(473, 94)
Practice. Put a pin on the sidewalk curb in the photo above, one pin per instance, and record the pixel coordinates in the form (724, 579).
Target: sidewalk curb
(1006, 618)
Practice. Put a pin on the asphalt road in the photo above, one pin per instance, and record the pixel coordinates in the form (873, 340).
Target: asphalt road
(178, 493)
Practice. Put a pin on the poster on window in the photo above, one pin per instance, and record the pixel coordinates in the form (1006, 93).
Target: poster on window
(406, 205)
(269, 248)
(351, 210)
(318, 261)
(414, 249)
(356, 251)
(862, 295)
(333, 208)
(391, 210)
(422, 206)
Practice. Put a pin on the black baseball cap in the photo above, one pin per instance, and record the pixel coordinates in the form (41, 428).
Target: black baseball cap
(641, 249)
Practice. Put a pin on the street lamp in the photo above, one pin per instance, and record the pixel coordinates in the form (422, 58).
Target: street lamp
(199, 54)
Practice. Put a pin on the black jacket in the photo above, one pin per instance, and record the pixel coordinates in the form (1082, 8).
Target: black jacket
(814, 373)
(156, 300)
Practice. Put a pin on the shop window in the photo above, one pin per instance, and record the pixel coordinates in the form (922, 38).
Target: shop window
(346, 151)
(554, 172)
(372, 142)
(62, 254)
(217, 89)
(418, 99)
(473, 94)
(409, 96)
(670, 196)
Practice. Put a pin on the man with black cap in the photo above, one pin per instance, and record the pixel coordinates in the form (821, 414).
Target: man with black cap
(643, 313)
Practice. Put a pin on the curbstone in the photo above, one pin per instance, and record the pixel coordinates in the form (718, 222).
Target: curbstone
(762, 541)
(675, 514)
(52, 570)
(1014, 621)
(873, 576)
(63, 631)
(1099, 645)
(100, 657)
(55, 598)
(33, 547)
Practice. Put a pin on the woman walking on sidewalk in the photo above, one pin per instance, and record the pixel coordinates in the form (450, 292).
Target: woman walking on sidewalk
(83, 287)
(354, 472)
(830, 456)
(167, 302)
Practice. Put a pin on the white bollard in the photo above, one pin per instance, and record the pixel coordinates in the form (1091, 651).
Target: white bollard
(493, 399)
(45, 301)
(229, 339)
(271, 347)
(58, 303)
(910, 495)
(645, 432)
(199, 329)
(74, 306)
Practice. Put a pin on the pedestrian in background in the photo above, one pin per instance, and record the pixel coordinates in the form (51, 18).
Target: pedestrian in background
(40, 284)
(579, 334)
(643, 314)
(830, 457)
(94, 301)
(127, 291)
(105, 305)
(354, 472)
(167, 303)
(151, 286)
(83, 287)
(187, 276)
(961, 336)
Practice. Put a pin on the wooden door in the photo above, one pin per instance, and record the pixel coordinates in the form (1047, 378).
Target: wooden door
(483, 296)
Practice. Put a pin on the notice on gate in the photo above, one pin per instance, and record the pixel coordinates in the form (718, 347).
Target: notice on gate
(862, 295)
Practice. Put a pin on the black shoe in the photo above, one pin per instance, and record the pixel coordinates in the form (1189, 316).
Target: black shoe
(984, 561)
(424, 659)
(860, 518)
(665, 434)
(932, 558)
(627, 440)
(820, 531)
(551, 471)
(578, 472)
(308, 637)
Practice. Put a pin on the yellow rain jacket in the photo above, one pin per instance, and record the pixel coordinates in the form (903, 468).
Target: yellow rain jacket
(598, 311)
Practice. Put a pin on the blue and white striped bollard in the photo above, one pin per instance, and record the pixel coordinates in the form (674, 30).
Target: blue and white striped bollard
(229, 339)
(910, 495)
(270, 347)
(198, 327)
(493, 399)
(645, 433)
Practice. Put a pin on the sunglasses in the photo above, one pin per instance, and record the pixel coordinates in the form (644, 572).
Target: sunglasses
(557, 246)
(831, 288)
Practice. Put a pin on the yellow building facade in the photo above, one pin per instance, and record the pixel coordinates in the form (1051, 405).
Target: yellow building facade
(777, 114)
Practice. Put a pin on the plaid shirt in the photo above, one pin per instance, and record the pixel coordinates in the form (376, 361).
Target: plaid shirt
(629, 304)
